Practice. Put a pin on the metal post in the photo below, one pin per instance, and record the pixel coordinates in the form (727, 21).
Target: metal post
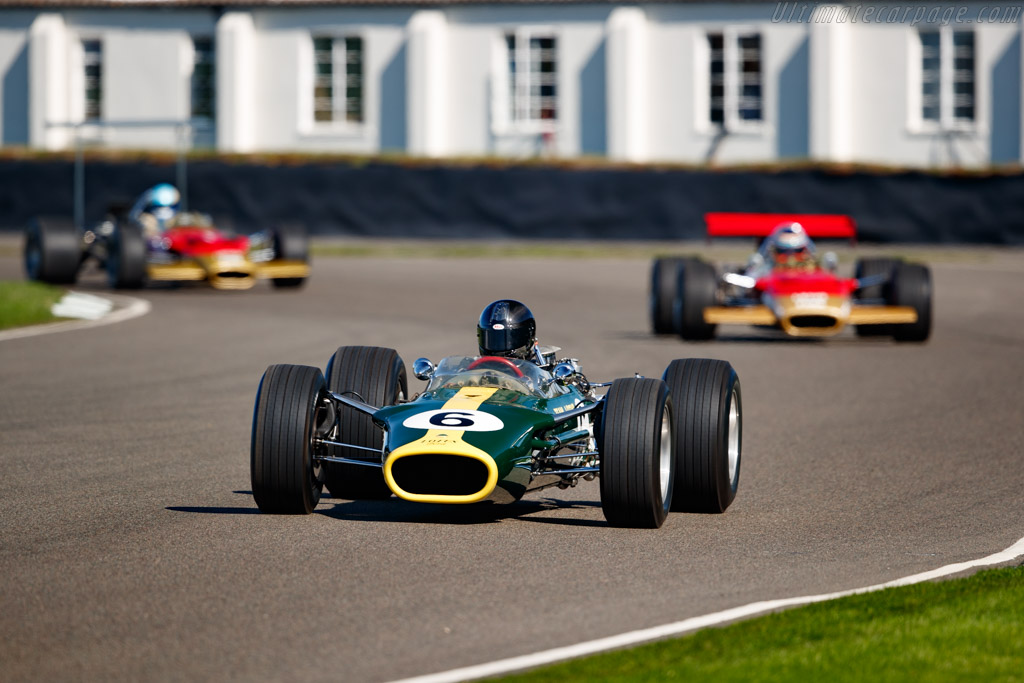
(79, 189)
(182, 173)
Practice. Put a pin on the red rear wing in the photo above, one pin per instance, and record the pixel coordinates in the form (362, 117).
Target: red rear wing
(818, 226)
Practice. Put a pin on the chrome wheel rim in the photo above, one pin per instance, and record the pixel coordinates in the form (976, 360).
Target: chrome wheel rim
(665, 455)
(734, 437)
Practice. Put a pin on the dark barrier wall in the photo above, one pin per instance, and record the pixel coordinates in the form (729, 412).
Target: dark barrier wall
(532, 201)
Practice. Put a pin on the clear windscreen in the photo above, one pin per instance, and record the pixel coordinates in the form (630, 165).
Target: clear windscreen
(513, 374)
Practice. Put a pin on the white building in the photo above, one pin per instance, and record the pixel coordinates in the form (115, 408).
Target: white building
(922, 84)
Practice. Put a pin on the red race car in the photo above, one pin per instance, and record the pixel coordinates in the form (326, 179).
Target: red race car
(786, 285)
(155, 242)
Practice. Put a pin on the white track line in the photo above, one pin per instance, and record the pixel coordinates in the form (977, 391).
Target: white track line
(505, 666)
(133, 309)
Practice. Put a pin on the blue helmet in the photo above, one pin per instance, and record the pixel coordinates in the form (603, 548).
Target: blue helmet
(161, 202)
(165, 195)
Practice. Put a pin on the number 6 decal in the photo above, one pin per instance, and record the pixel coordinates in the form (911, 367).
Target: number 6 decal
(455, 420)
(452, 419)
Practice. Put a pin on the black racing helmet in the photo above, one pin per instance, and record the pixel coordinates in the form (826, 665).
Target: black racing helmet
(506, 328)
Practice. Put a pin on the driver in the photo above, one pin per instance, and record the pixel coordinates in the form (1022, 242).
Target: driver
(787, 247)
(507, 329)
(156, 208)
(507, 332)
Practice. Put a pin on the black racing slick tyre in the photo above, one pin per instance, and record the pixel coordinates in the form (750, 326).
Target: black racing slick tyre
(637, 466)
(376, 376)
(911, 286)
(696, 289)
(708, 431)
(663, 294)
(866, 268)
(126, 258)
(53, 251)
(291, 243)
(290, 412)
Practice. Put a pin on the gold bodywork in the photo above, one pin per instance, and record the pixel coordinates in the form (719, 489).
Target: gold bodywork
(809, 315)
(226, 271)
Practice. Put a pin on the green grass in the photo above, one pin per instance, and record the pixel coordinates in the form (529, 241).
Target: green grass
(26, 303)
(968, 629)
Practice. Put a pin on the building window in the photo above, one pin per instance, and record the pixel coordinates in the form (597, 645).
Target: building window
(947, 76)
(338, 81)
(734, 64)
(532, 78)
(203, 79)
(92, 64)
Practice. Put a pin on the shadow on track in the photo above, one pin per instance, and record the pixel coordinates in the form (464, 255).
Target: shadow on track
(405, 512)
(767, 337)
(213, 510)
(752, 338)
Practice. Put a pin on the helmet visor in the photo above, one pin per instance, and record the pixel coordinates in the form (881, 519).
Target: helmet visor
(499, 339)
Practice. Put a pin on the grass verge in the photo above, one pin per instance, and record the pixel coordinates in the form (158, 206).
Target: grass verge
(736, 252)
(969, 629)
(27, 303)
(583, 250)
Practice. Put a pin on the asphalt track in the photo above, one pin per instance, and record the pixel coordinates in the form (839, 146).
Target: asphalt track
(131, 549)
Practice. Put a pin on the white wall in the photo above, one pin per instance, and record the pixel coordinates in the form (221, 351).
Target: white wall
(680, 91)
(632, 82)
(478, 50)
(284, 83)
(884, 113)
(145, 74)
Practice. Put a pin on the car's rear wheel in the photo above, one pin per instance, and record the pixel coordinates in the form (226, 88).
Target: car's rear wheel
(291, 243)
(376, 376)
(708, 431)
(911, 286)
(53, 251)
(696, 289)
(126, 258)
(663, 294)
(866, 268)
(637, 466)
(290, 411)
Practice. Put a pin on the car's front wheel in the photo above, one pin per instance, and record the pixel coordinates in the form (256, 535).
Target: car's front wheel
(53, 251)
(696, 289)
(126, 258)
(635, 444)
(911, 286)
(290, 413)
(870, 267)
(662, 294)
(708, 431)
(377, 376)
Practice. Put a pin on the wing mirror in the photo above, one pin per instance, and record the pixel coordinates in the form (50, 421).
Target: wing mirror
(423, 369)
(563, 372)
(830, 261)
(744, 281)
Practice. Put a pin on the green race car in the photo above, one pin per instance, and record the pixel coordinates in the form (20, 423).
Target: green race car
(493, 428)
